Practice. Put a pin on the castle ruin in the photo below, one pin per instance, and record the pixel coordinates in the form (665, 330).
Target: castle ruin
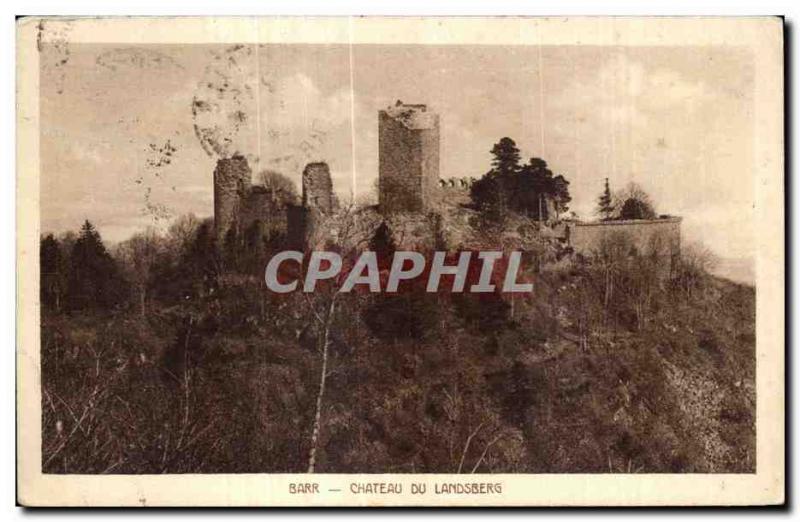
(408, 186)
(408, 182)
(240, 206)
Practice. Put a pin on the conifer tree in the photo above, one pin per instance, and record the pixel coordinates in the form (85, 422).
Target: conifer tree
(605, 206)
(528, 189)
(491, 193)
(52, 273)
(95, 281)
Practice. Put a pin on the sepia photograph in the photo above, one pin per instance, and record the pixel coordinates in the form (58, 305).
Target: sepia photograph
(465, 261)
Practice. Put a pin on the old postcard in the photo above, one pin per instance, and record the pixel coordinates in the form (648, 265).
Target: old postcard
(400, 261)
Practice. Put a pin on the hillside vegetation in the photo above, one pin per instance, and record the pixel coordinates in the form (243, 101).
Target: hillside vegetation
(177, 360)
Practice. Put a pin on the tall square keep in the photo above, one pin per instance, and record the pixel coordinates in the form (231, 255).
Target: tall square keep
(408, 148)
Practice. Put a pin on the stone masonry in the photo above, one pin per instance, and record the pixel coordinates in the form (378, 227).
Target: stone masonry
(408, 151)
(231, 182)
(318, 188)
(239, 206)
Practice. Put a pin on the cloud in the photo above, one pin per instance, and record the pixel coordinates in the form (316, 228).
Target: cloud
(300, 123)
(727, 233)
(295, 103)
(625, 91)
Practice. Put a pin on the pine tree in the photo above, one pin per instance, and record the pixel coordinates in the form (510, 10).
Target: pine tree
(52, 273)
(491, 193)
(506, 156)
(533, 183)
(94, 281)
(536, 186)
(604, 203)
(530, 189)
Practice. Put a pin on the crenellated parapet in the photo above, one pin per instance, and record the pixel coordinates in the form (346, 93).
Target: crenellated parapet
(464, 183)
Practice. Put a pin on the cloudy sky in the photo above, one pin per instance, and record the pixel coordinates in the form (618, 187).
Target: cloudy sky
(678, 121)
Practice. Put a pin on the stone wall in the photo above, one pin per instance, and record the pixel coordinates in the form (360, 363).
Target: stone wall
(454, 191)
(263, 208)
(663, 234)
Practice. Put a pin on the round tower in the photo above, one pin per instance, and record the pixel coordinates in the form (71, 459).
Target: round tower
(231, 184)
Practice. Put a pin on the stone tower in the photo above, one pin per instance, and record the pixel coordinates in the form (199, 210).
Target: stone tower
(318, 205)
(231, 184)
(318, 188)
(408, 150)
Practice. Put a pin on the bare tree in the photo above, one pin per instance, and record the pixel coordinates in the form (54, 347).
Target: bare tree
(610, 258)
(633, 202)
(138, 255)
(181, 232)
(352, 228)
(696, 262)
(631, 191)
(281, 186)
